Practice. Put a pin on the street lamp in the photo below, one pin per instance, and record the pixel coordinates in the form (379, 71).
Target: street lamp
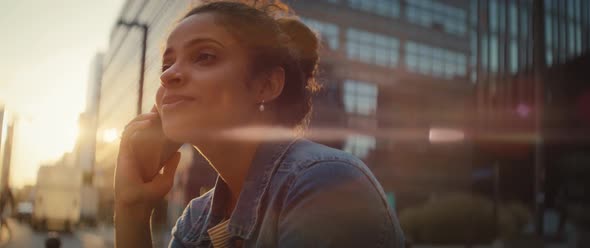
(144, 28)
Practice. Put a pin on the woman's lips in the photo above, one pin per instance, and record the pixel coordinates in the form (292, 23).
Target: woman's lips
(174, 101)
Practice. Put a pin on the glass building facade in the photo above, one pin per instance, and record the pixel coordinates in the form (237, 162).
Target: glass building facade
(526, 85)
(462, 66)
(508, 49)
(397, 67)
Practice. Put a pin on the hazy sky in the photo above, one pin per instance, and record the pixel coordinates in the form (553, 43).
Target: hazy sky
(45, 54)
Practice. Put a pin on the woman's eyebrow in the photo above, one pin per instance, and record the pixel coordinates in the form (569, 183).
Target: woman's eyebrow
(191, 43)
(196, 41)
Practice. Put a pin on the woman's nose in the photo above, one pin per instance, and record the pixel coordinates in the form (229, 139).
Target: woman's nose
(171, 77)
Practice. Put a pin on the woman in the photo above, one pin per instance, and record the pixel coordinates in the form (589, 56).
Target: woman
(229, 66)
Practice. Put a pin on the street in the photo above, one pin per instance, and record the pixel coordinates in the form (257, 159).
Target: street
(21, 236)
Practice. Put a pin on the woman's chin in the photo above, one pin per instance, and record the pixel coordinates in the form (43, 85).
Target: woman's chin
(182, 133)
(176, 133)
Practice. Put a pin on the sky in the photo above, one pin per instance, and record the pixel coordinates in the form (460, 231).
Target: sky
(45, 55)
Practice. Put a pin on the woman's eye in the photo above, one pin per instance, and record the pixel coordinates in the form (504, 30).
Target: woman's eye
(204, 58)
(165, 67)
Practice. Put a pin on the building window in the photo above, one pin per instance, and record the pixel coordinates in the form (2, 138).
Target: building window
(493, 15)
(434, 14)
(388, 8)
(524, 22)
(372, 48)
(360, 97)
(474, 12)
(494, 60)
(572, 39)
(513, 20)
(328, 32)
(548, 6)
(549, 57)
(513, 57)
(548, 31)
(578, 38)
(558, 26)
(439, 62)
(360, 145)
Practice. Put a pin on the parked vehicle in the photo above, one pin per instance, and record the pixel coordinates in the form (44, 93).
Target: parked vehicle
(57, 198)
(24, 211)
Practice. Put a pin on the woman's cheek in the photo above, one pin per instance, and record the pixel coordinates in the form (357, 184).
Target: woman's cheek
(159, 95)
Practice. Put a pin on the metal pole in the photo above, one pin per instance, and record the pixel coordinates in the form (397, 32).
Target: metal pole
(555, 36)
(577, 35)
(539, 66)
(587, 8)
(561, 31)
(478, 55)
(488, 99)
(506, 79)
(144, 28)
(567, 29)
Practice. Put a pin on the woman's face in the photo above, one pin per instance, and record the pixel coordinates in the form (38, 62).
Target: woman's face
(204, 81)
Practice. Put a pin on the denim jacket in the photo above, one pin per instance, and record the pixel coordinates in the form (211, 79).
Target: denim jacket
(297, 194)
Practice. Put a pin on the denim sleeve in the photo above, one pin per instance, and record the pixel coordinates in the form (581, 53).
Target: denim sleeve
(335, 204)
(178, 229)
(175, 243)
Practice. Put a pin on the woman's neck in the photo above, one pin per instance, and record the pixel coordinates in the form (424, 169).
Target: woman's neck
(232, 160)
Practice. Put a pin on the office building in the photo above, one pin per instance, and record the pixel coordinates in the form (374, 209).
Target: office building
(528, 68)
(397, 74)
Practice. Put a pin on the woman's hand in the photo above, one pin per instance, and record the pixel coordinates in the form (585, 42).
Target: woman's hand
(134, 193)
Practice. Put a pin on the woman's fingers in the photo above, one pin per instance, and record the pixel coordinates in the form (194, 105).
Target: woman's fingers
(146, 116)
(133, 127)
(127, 169)
(130, 130)
(162, 183)
(128, 173)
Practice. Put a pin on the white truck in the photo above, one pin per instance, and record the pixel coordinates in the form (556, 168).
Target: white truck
(57, 198)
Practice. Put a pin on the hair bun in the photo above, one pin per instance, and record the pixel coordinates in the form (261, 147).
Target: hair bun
(303, 44)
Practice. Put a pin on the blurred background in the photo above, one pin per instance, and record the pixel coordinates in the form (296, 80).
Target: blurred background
(473, 114)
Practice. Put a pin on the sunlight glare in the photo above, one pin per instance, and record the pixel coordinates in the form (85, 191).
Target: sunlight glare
(110, 135)
(41, 137)
(443, 135)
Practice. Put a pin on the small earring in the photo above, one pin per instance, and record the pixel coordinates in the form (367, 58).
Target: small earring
(261, 107)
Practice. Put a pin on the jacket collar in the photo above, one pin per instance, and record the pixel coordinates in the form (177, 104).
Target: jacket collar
(246, 214)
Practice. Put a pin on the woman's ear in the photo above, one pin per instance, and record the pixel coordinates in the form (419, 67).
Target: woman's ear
(273, 87)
